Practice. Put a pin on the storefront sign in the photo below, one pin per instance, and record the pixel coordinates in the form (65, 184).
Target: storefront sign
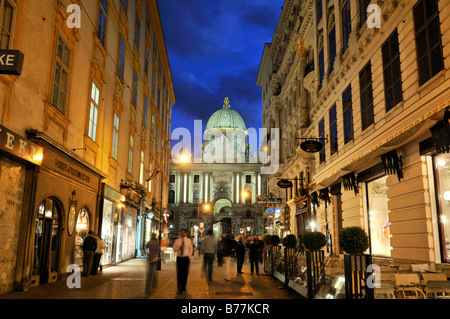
(20, 147)
(60, 165)
(284, 183)
(11, 62)
(311, 146)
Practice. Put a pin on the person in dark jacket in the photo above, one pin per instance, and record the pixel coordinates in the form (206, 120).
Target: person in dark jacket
(220, 251)
(229, 254)
(254, 256)
(240, 254)
(89, 248)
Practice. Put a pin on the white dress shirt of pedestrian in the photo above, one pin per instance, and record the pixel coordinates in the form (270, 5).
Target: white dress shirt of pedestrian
(188, 247)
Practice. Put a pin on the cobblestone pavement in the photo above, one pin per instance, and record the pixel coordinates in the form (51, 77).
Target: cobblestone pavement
(127, 281)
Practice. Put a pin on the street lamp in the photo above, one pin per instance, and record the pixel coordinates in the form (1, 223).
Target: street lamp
(184, 159)
(206, 207)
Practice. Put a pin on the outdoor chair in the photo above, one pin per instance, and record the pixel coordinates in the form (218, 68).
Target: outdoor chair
(436, 284)
(407, 284)
(387, 288)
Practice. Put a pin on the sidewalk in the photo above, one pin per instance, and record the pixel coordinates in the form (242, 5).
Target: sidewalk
(126, 281)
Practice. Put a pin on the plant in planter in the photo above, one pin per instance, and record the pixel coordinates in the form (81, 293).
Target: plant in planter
(353, 240)
(290, 241)
(314, 240)
(266, 239)
(274, 240)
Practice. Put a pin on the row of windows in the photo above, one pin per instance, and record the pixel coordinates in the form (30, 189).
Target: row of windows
(248, 179)
(430, 63)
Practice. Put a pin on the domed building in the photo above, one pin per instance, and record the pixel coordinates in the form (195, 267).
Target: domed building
(220, 191)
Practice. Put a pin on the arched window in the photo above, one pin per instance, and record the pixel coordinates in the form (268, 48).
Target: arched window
(171, 196)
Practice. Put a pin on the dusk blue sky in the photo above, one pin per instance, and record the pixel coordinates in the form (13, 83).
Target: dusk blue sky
(215, 49)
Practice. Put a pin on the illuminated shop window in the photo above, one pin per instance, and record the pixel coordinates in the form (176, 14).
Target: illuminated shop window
(442, 176)
(379, 217)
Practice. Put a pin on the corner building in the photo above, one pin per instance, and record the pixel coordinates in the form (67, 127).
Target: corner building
(82, 127)
(377, 98)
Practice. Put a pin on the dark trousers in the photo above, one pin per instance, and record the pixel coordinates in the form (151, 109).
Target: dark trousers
(88, 256)
(182, 272)
(240, 263)
(208, 261)
(95, 263)
(254, 264)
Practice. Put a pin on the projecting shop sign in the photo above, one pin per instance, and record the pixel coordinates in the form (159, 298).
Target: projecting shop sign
(19, 146)
(11, 62)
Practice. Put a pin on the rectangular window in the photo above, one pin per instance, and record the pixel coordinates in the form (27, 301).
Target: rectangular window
(391, 72)
(348, 114)
(428, 39)
(332, 45)
(365, 85)
(61, 75)
(321, 67)
(141, 169)
(319, 10)
(137, 32)
(121, 65)
(101, 29)
(135, 89)
(93, 114)
(248, 179)
(7, 18)
(130, 154)
(124, 5)
(171, 179)
(346, 24)
(115, 140)
(146, 60)
(333, 130)
(363, 4)
(152, 131)
(145, 110)
(322, 140)
(196, 179)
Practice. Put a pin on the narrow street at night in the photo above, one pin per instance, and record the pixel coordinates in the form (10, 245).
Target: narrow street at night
(126, 281)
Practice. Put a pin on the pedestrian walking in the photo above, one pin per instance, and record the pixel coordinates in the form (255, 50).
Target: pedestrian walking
(209, 249)
(97, 255)
(229, 255)
(183, 247)
(199, 246)
(89, 248)
(220, 250)
(260, 249)
(153, 250)
(240, 254)
(254, 256)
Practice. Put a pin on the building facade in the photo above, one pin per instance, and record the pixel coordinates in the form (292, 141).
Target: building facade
(370, 83)
(82, 127)
(218, 190)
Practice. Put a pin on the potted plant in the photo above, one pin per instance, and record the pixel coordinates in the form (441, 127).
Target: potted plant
(314, 240)
(274, 240)
(290, 243)
(315, 256)
(354, 242)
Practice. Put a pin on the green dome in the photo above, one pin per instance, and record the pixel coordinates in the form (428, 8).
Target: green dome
(226, 118)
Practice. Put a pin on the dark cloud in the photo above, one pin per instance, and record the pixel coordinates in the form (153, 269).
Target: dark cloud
(215, 49)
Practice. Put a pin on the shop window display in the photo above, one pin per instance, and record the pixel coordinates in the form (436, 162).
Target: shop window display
(82, 229)
(379, 217)
(442, 176)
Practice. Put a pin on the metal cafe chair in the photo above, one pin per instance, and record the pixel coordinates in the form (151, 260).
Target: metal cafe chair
(436, 283)
(409, 283)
